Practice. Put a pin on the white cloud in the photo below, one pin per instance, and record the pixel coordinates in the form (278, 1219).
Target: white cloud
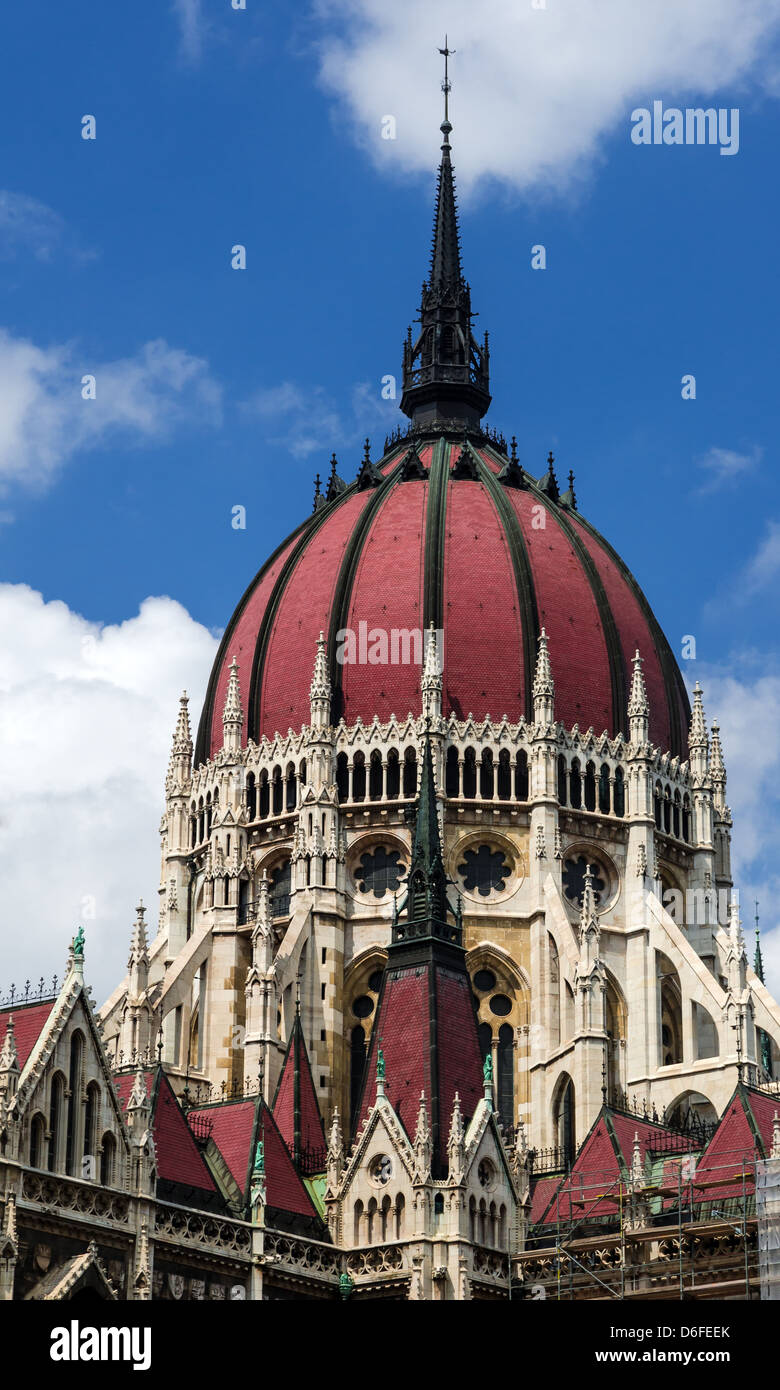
(726, 466)
(189, 16)
(307, 420)
(27, 225)
(44, 420)
(537, 93)
(764, 568)
(86, 717)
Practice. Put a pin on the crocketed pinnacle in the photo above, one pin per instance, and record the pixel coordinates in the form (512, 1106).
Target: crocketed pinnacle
(638, 704)
(139, 948)
(544, 685)
(698, 732)
(182, 738)
(232, 712)
(320, 681)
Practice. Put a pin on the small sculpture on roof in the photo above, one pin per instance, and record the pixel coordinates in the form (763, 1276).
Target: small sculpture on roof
(78, 944)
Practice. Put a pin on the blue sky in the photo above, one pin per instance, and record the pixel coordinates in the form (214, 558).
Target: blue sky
(261, 127)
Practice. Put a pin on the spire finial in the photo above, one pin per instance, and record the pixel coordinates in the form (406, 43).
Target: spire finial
(446, 371)
(446, 87)
(758, 960)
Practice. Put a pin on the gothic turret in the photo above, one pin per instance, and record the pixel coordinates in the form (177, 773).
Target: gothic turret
(232, 714)
(446, 377)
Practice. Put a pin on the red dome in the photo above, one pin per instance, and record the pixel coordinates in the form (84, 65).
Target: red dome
(490, 561)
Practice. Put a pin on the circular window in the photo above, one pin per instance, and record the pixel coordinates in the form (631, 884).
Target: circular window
(381, 1170)
(484, 980)
(485, 1173)
(363, 1006)
(500, 1005)
(484, 870)
(380, 871)
(375, 981)
(574, 870)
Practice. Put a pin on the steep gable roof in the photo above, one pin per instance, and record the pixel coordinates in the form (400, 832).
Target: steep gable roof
(295, 1108)
(235, 1127)
(743, 1134)
(182, 1173)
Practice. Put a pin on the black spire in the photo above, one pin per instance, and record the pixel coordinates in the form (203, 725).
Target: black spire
(446, 372)
(427, 909)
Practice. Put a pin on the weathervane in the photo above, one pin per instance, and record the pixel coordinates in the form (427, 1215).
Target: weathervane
(446, 85)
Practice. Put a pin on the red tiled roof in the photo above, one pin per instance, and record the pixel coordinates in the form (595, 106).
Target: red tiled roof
(179, 1159)
(232, 1125)
(731, 1151)
(542, 1193)
(607, 1151)
(404, 1025)
(235, 1128)
(29, 1020)
(312, 1134)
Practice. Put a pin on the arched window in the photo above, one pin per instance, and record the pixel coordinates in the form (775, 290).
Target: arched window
(108, 1175)
(265, 796)
(505, 1068)
(56, 1103)
(657, 805)
(575, 785)
(676, 815)
(521, 775)
(291, 788)
(356, 1220)
(385, 1217)
(277, 791)
(37, 1141)
(667, 810)
(208, 813)
(485, 1033)
(279, 895)
(302, 772)
(357, 1063)
(590, 786)
(201, 821)
(375, 776)
(371, 1210)
(620, 792)
(686, 819)
(504, 779)
(251, 796)
(74, 1103)
(671, 1049)
(486, 775)
(410, 772)
(393, 774)
(399, 1216)
(564, 1118)
(91, 1117)
(562, 798)
(604, 790)
(358, 777)
(470, 774)
(452, 774)
(342, 777)
(473, 1219)
(193, 827)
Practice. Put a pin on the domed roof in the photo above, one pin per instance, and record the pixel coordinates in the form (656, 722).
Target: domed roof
(454, 534)
(446, 530)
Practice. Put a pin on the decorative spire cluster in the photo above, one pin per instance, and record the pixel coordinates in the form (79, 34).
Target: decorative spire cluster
(638, 705)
